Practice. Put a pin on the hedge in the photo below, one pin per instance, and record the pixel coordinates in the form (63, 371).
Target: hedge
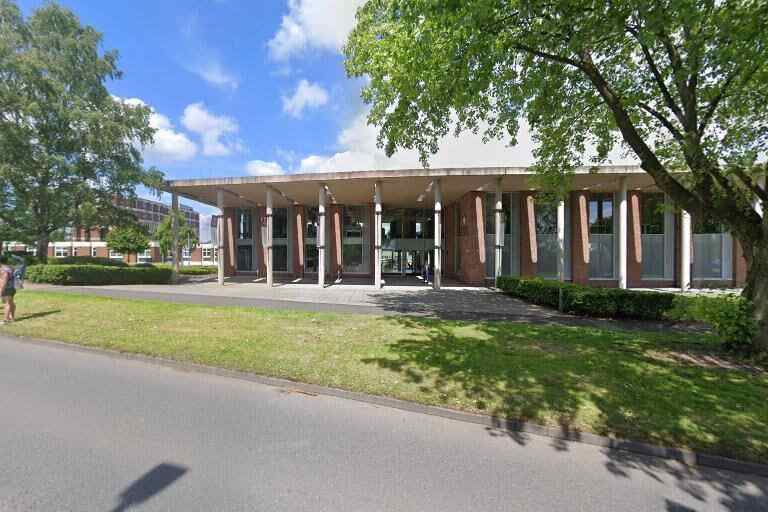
(192, 270)
(86, 260)
(97, 275)
(729, 315)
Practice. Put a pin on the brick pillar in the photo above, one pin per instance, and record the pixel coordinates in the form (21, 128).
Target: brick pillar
(298, 240)
(528, 244)
(335, 219)
(472, 241)
(449, 222)
(739, 265)
(260, 214)
(634, 239)
(580, 237)
(156, 256)
(230, 255)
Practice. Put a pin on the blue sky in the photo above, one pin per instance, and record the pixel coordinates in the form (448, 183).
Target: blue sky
(255, 87)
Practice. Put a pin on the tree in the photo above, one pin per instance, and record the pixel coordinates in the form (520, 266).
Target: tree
(681, 84)
(67, 147)
(127, 240)
(164, 235)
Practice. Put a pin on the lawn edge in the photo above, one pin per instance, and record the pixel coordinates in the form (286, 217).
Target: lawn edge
(687, 457)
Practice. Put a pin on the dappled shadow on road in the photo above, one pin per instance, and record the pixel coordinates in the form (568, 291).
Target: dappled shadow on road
(577, 379)
(149, 484)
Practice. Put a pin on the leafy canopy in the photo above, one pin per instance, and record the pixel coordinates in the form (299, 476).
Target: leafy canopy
(680, 83)
(68, 149)
(127, 240)
(188, 237)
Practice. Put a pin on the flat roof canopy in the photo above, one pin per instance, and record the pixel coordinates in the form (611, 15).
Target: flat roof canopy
(408, 188)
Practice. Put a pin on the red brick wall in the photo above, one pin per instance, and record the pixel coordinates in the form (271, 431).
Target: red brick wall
(260, 232)
(156, 256)
(472, 241)
(580, 235)
(449, 243)
(297, 238)
(528, 267)
(229, 242)
(197, 255)
(739, 265)
(334, 241)
(634, 239)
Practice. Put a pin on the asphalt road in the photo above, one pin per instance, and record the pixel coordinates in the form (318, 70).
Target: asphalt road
(83, 431)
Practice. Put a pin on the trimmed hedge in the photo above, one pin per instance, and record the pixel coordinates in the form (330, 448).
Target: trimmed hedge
(729, 315)
(192, 270)
(589, 301)
(86, 260)
(97, 275)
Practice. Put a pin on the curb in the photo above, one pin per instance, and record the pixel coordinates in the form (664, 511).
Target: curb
(686, 457)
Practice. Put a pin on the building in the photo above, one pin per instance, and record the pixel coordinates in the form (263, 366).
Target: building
(470, 224)
(92, 242)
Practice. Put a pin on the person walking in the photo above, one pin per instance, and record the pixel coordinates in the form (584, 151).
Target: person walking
(7, 289)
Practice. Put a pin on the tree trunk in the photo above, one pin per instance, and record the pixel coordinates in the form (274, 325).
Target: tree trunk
(42, 249)
(756, 290)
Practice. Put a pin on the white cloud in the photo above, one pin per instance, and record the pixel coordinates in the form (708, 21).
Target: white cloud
(262, 168)
(321, 24)
(306, 95)
(214, 131)
(169, 145)
(213, 72)
(358, 152)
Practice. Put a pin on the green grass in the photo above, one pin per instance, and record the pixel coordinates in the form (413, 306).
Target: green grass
(608, 382)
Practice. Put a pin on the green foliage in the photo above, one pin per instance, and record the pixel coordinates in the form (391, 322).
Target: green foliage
(198, 270)
(127, 240)
(67, 147)
(87, 260)
(731, 316)
(97, 275)
(164, 234)
(679, 85)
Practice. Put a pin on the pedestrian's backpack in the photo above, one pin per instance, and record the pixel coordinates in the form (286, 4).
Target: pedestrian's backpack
(18, 275)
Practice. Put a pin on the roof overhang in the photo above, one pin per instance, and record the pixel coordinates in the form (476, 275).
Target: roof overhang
(400, 188)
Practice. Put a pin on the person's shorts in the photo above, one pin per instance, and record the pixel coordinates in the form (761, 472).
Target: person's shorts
(8, 294)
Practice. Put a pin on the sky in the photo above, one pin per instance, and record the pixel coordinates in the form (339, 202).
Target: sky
(254, 87)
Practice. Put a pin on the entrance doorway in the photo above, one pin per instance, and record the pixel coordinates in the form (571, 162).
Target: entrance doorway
(245, 258)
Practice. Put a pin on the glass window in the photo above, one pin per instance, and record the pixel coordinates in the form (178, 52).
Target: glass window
(93, 252)
(280, 223)
(601, 214)
(546, 238)
(355, 242)
(61, 252)
(244, 224)
(311, 222)
(115, 255)
(652, 208)
(280, 258)
(207, 253)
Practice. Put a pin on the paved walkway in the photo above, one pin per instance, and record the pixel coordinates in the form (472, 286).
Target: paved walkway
(452, 302)
(84, 431)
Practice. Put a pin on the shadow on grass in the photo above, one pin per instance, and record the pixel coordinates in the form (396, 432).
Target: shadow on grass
(39, 314)
(608, 382)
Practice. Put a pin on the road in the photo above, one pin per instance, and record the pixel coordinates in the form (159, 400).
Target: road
(84, 431)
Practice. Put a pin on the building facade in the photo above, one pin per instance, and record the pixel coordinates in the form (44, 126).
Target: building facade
(614, 229)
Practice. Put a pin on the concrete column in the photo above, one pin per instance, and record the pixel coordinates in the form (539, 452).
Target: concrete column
(561, 240)
(437, 270)
(298, 237)
(377, 235)
(321, 237)
(220, 238)
(685, 252)
(498, 253)
(270, 259)
(175, 232)
(623, 230)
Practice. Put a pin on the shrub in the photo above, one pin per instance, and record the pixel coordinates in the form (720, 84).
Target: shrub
(202, 270)
(731, 316)
(87, 260)
(97, 275)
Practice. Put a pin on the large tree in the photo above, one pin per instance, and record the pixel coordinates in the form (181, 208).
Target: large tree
(682, 84)
(187, 236)
(68, 149)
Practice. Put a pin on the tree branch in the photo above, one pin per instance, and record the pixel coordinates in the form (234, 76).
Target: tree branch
(721, 96)
(663, 120)
(751, 185)
(548, 56)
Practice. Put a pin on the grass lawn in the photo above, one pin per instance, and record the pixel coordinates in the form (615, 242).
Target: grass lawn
(634, 385)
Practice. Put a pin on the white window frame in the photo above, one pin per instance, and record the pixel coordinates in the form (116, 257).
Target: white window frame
(93, 252)
(114, 255)
(60, 252)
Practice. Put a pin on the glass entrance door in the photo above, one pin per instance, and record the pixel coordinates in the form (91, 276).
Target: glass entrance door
(245, 258)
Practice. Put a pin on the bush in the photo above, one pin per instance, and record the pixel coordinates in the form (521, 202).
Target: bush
(97, 275)
(87, 260)
(193, 270)
(729, 315)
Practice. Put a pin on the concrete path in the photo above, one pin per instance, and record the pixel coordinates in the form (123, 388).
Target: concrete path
(84, 431)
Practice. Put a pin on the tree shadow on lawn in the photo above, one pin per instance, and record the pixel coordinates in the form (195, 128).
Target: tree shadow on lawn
(608, 382)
